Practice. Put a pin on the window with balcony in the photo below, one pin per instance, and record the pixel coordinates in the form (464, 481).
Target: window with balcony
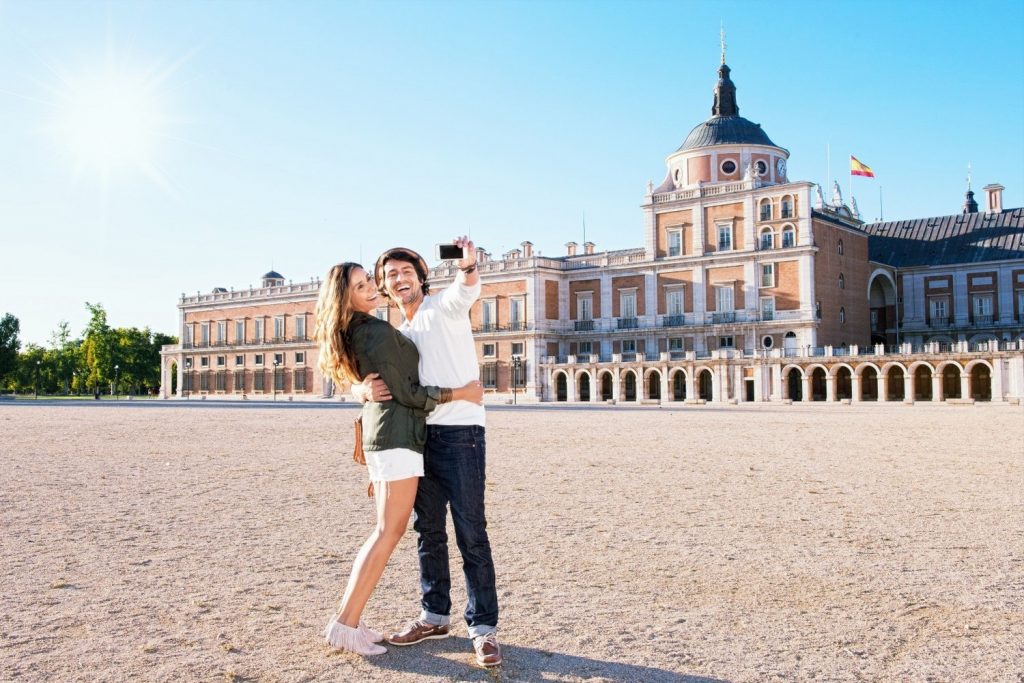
(516, 314)
(981, 305)
(300, 327)
(584, 348)
(258, 330)
(767, 240)
(768, 308)
(766, 210)
(787, 207)
(674, 307)
(488, 319)
(725, 238)
(675, 242)
(788, 237)
(279, 328)
(204, 334)
(724, 299)
(239, 331)
(627, 309)
(187, 335)
(222, 332)
(767, 275)
(584, 312)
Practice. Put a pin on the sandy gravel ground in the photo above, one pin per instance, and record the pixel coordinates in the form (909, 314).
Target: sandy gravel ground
(762, 543)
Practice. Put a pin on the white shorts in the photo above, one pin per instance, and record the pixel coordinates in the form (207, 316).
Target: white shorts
(393, 464)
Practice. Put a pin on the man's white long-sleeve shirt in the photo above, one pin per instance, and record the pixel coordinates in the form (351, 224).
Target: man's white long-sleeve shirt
(442, 332)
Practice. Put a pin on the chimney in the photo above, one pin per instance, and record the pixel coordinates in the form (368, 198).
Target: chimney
(993, 198)
(527, 249)
(570, 248)
(588, 247)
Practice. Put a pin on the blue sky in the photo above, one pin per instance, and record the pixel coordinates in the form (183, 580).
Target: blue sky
(301, 134)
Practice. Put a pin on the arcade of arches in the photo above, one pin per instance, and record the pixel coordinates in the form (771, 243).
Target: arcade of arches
(971, 377)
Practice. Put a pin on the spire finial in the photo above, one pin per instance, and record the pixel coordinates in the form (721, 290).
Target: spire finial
(968, 176)
(721, 36)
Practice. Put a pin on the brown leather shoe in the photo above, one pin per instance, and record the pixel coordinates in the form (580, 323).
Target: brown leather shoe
(488, 652)
(417, 631)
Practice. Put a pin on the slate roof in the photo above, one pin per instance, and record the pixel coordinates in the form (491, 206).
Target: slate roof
(273, 275)
(947, 240)
(726, 130)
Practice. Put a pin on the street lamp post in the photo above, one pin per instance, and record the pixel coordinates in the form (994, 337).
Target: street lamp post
(118, 393)
(517, 362)
(276, 363)
(36, 384)
(186, 379)
(74, 381)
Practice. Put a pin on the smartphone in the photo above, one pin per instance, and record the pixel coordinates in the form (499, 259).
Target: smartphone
(449, 252)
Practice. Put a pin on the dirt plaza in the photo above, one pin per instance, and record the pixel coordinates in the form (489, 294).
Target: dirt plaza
(168, 542)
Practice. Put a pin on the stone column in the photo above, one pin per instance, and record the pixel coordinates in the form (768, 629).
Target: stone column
(595, 387)
(998, 390)
(716, 385)
(806, 388)
(570, 387)
(691, 384)
(664, 385)
(965, 385)
(937, 386)
(883, 386)
(616, 382)
(776, 370)
(908, 387)
(830, 388)
(855, 388)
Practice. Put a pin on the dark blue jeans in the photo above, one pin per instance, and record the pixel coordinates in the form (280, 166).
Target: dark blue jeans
(454, 466)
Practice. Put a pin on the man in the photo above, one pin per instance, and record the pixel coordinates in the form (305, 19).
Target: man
(455, 455)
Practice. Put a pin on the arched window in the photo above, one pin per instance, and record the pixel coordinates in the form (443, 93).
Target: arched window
(842, 281)
(767, 239)
(788, 236)
(766, 209)
(840, 246)
(842, 315)
(787, 207)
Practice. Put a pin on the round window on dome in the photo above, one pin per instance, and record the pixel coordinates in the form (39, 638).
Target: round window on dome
(728, 167)
(760, 167)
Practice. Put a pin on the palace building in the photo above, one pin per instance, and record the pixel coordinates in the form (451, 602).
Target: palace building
(748, 286)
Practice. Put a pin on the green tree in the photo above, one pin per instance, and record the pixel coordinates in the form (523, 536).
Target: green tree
(98, 348)
(65, 359)
(10, 327)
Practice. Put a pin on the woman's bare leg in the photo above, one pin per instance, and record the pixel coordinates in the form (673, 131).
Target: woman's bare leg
(394, 505)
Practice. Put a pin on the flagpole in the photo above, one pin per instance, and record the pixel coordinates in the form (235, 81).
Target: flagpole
(849, 201)
(881, 214)
(828, 166)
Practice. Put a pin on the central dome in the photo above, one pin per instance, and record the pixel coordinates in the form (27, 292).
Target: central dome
(726, 130)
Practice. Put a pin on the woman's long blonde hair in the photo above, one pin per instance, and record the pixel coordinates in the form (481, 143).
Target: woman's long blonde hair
(331, 332)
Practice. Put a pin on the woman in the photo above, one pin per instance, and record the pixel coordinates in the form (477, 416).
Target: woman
(353, 343)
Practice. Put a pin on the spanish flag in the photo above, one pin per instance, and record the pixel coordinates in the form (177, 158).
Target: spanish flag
(857, 168)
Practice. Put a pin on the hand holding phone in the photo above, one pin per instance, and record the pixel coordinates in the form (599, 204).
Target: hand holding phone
(449, 252)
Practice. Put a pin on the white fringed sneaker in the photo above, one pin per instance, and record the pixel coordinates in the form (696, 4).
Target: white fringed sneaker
(355, 640)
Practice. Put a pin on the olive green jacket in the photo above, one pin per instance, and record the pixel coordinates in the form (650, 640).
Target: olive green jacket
(401, 421)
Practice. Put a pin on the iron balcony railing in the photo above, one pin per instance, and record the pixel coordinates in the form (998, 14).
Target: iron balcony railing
(718, 318)
(583, 325)
(939, 322)
(983, 320)
(674, 320)
(627, 323)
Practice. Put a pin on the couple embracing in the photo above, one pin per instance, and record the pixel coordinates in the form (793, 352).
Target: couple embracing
(423, 437)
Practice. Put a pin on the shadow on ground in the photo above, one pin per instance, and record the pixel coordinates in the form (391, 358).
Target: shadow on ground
(452, 659)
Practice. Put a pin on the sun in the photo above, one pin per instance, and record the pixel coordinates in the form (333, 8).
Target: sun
(113, 120)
